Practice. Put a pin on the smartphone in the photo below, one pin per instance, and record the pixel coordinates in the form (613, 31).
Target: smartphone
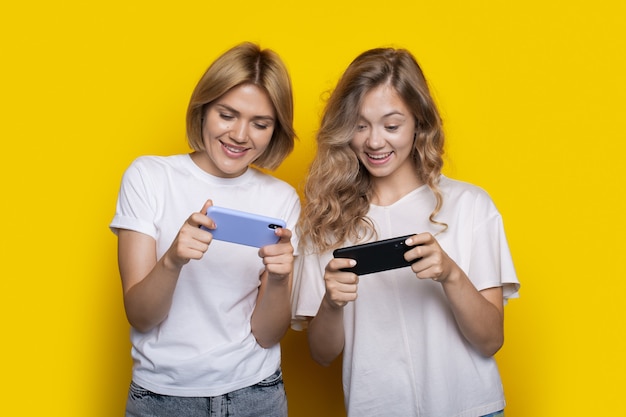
(243, 228)
(376, 256)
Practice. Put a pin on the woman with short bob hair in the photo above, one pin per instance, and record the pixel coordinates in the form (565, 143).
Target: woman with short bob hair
(247, 64)
(207, 315)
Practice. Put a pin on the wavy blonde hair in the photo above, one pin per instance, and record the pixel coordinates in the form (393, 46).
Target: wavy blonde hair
(337, 190)
(247, 63)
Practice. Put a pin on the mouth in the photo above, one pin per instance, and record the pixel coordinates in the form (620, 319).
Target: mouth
(378, 158)
(234, 150)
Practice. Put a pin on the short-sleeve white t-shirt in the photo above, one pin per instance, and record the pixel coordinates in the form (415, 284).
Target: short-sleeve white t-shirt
(404, 354)
(205, 346)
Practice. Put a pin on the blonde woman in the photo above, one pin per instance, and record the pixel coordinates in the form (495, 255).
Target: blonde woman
(207, 316)
(418, 340)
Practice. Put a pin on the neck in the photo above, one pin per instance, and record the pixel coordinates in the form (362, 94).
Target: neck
(388, 190)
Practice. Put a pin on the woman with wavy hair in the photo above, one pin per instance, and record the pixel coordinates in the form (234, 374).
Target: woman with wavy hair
(418, 340)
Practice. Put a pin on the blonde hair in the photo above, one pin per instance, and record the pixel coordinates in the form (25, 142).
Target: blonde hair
(337, 190)
(247, 63)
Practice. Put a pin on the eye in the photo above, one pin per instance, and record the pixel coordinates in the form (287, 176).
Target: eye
(360, 128)
(227, 116)
(261, 126)
(392, 128)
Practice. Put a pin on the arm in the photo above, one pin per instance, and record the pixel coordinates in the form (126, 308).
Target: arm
(479, 314)
(326, 333)
(272, 314)
(148, 283)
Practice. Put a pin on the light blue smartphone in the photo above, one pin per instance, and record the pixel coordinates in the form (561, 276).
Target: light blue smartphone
(243, 228)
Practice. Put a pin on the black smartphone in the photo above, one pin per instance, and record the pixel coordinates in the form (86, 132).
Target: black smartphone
(381, 255)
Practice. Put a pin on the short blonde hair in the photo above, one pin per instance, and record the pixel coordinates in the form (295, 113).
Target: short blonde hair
(247, 63)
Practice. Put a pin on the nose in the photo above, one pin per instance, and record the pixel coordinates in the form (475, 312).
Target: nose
(375, 139)
(239, 131)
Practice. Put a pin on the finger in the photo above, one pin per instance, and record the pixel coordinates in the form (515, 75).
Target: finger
(283, 233)
(201, 219)
(341, 293)
(341, 278)
(431, 267)
(337, 264)
(419, 239)
(415, 254)
(190, 235)
(281, 258)
(341, 299)
(206, 205)
(190, 249)
(282, 248)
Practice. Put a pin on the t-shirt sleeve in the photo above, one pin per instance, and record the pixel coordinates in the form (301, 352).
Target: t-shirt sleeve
(293, 214)
(491, 263)
(134, 209)
(308, 288)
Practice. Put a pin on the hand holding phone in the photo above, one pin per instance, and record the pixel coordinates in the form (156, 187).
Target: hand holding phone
(376, 256)
(242, 227)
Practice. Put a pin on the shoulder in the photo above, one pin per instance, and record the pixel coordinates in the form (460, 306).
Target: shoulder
(158, 163)
(462, 190)
(457, 187)
(464, 195)
(151, 166)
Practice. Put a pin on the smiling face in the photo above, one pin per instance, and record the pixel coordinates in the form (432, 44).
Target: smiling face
(237, 129)
(385, 134)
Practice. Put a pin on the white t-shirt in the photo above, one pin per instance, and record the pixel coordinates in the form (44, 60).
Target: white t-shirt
(205, 346)
(404, 354)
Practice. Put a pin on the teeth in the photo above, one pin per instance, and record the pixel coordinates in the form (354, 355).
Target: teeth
(235, 150)
(383, 156)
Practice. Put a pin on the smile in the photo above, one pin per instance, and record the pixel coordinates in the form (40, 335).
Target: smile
(380, 157)
(234, 149)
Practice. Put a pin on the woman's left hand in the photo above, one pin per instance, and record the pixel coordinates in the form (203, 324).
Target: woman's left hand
(278, 258)
(479, 314)
(432, 261)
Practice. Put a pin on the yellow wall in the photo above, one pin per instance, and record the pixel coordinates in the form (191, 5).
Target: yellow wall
(533, 97)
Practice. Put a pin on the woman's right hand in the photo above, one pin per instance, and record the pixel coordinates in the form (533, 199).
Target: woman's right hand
(341, 286)
(192, 241)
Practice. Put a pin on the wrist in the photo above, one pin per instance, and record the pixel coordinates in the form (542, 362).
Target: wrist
(454, 276)
(278, 279)
(331, 305)
(169, 264)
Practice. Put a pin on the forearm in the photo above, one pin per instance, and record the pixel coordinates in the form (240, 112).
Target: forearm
(326, 334)
(481, 322)
(148, 302)
(272, 314)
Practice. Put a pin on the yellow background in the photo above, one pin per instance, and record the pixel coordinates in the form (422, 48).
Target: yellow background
(533, 96)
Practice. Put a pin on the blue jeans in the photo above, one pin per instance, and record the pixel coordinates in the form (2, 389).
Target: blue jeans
(496, 414)
(267, 399)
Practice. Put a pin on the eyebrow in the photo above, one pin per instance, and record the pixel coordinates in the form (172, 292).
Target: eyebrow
(384, 116)
(232, 110)
(394, 113)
